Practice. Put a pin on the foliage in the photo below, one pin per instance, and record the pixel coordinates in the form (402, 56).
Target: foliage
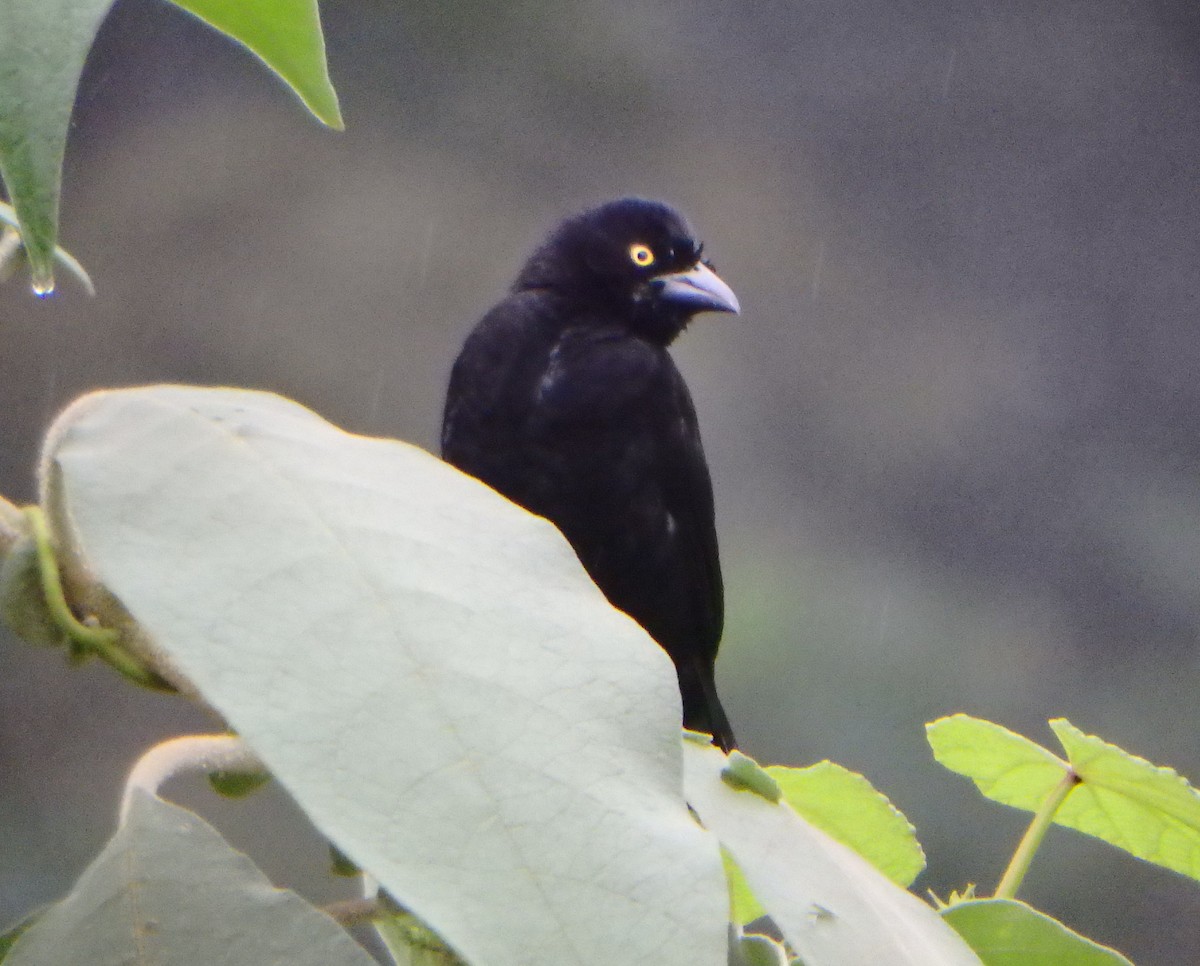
(1004, 932)
(131, 904)
(43, 45)
(1150, 812)
(428, 671)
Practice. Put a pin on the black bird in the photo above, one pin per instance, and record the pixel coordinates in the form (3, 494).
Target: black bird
(565, 399)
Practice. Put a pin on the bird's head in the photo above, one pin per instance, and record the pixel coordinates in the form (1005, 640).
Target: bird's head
(633, 259)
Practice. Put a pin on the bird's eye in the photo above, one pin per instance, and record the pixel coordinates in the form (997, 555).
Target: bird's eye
(641, 255)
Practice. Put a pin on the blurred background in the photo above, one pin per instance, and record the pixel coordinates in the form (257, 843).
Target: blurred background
(952, 436)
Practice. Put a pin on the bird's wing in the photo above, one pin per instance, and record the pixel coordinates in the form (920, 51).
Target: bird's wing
(594, 376)
(620, 409)
(486, 383)
(689, 495)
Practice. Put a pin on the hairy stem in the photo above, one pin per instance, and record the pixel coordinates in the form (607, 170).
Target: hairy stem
(84, 638)
(206, 753)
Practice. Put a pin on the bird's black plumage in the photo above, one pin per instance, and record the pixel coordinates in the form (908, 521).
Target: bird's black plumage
(565, 399)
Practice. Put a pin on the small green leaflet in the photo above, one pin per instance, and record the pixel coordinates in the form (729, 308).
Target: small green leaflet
(831, 905)
(744, 908)
(1149, 811)
(1005, 932)
(1006, 767)
(846, 806)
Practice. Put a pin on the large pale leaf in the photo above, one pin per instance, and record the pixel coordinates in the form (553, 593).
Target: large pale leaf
(834, 907)
(43, 44)
(168, 889)
(425, 666)
(1005, 932)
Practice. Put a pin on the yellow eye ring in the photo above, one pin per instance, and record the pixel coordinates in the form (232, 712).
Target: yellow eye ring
(642, 255)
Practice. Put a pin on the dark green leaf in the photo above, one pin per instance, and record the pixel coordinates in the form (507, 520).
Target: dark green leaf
(237, 784)
(43, 44)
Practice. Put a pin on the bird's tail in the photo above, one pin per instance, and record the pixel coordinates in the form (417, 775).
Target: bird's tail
(702, 709)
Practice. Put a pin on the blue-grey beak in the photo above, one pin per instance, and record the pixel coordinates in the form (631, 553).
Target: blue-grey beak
(699, 289)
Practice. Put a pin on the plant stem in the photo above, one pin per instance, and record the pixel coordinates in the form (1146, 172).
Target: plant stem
(84, 638)
(1014, 875)
(206, 753)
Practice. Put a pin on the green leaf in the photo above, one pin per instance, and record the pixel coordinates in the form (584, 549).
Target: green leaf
(1005, 932)
(43, 44)
(168, 889)
(424, 666)
(61, 257)
(744, 906)
(286, 36)
(846, 806)
(839, 802)
(340, 865)
(1149, 811)
(1005, 766)
(412, 943)
(832, 906)
(237, 784)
